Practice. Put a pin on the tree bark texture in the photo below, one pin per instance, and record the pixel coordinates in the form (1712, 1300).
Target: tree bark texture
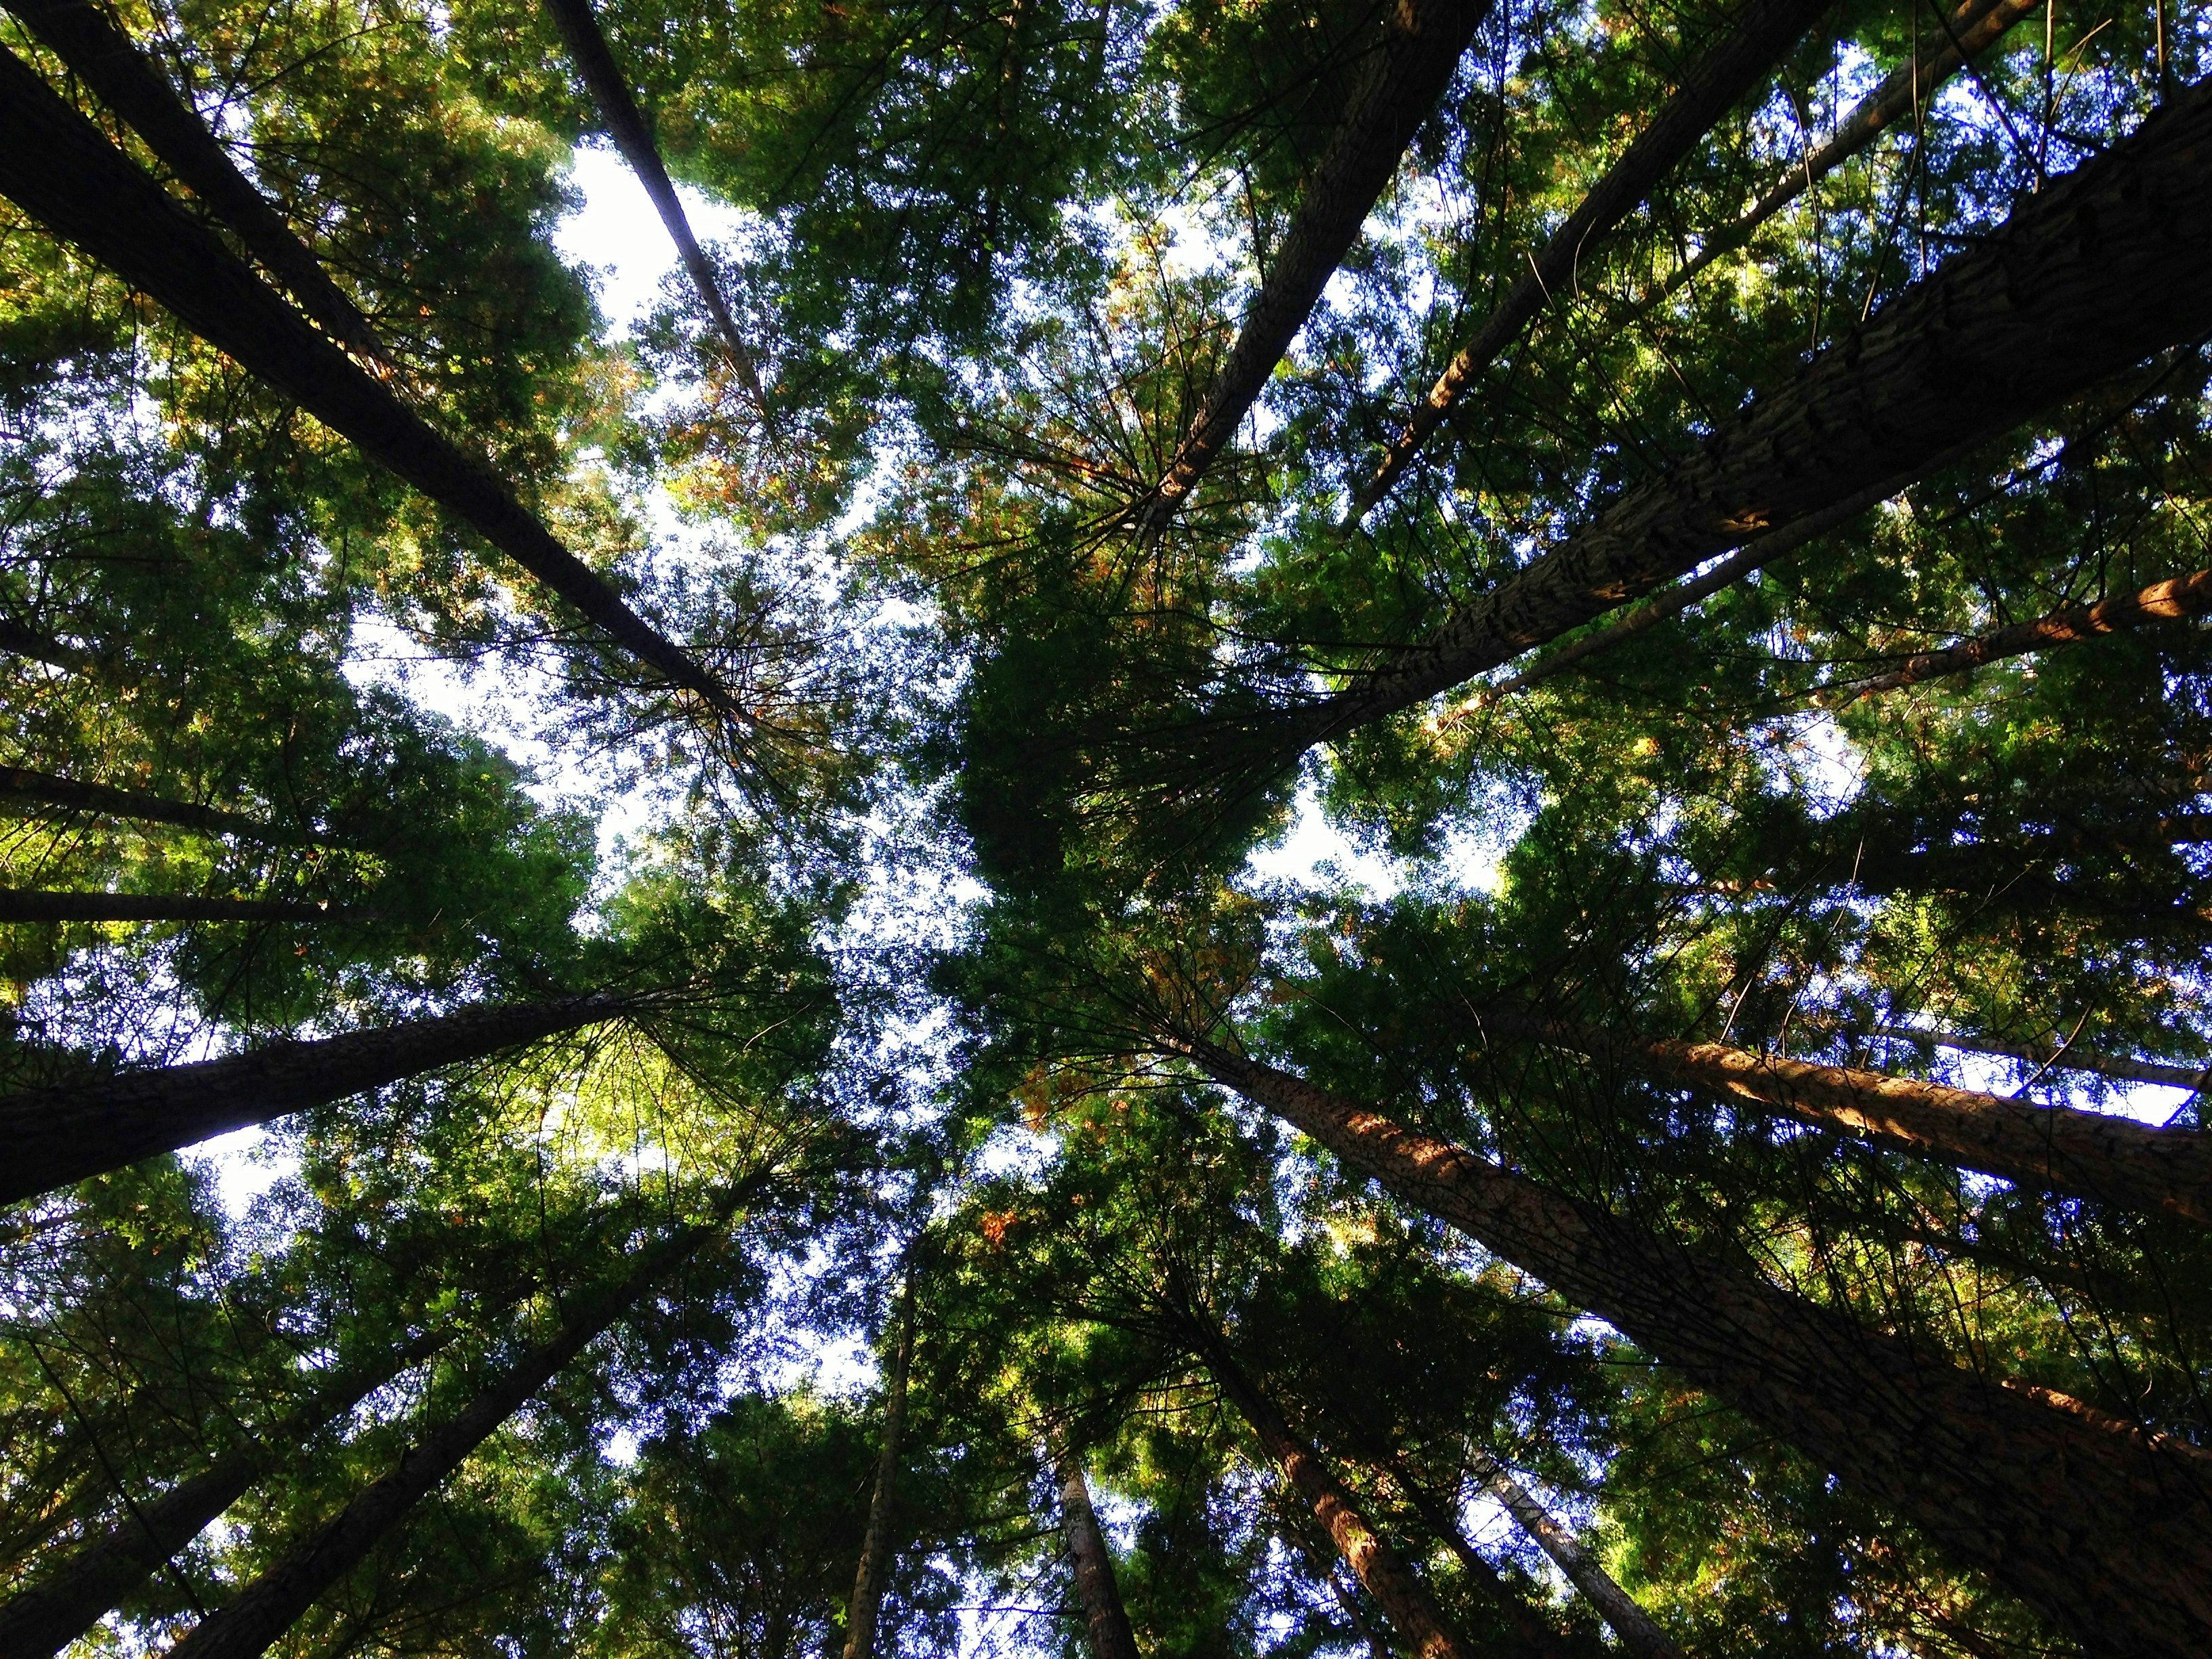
(1096, 1585)
(19, 785)
(1405, 1600)
(62, 1602)
(876, 1546)
(246, 1625)
(1974, 26)
(1766, 31)
(64, 1133)
(2091, 275)
(107, 61)
(1637, 1630)
(2104, 1527)
(2166, 601)
(633, 135)
(30, 904)
(59, 169)
(1422, 43)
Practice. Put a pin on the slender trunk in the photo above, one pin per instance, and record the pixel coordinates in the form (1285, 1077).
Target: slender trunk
(106, 60)
(1424, 40)
(246, 1625)
(2091, 1155)
(2103, 1526)
(2182, 595)
(64, 1133)
(1405, 1602)
(58, 169)
(1765, 32)
(63, 1601)
(1534, 1636)
(876, 1546)
(20, 785)
(2061, 1057)
(1354, 1614)
(28, 905)
(627, 126)
(1634, 1627)
(1974, 26)
(1095, 1584)
(2092, 274)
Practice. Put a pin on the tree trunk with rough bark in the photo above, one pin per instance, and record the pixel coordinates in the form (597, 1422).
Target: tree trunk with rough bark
(64, 1133)
(2094, 273)
(2104, 1527)
(1764, 34)
(1637, 1630)
(30, 904)
(59, 169)
(20, 786)
(1422, 43)
(1405, 1600)
(1096, 1585)
(61, 1602)
(876, 1546)
(246, 1625)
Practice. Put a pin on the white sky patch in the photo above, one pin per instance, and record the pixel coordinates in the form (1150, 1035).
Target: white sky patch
(618, 237)
(1316, 856)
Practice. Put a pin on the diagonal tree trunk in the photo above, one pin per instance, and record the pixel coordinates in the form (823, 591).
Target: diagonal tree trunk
(627, 126)
(1422, 43)
(1974, 26)
(1638, 1632)
(58, 169)
(2056, 1056)
(2092, 1155)
(106, 60)
(1096, 1585)
(61, 1602)
(246, 1625)
(18, 640)
(64, 1133)
(30, 904)
(1411, 1611)
(1766, 31)
(2092, 274)
(1535, 1637)
(19, 785)
(2104, 1527)
(876, 1546)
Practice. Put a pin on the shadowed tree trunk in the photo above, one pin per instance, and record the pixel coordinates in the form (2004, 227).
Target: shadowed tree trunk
(59, 169)
(1534, 1636)
(1405, 1600)
(28, 905)
(1765, 32)
(1423, 42)
(876, 1547)
(63, 1601)
(1104, 1614)
(246, 1625)
(19, 641)
(57, 1135)
(107, 61)
(1634, 1627)
(627, 126)
(19, 785)
(2104, 1527)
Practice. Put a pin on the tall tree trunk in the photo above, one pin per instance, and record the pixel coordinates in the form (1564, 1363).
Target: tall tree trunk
(876, 1546)
(2092, 1155)
(1423, 42)
(2104, 1527)
(627, 126)
(106, 60)
(61, 1602)
(2166, 601)
(1411, 1611)
(244, 1627)
(18, 640)
(20, 785)
(1095, 1583)
(64, 1133)
(1974, 26)
(1534, 1636)
(28, 905)
(59, 169)
(1638, 1631)
(2092, 274)
(2059, 1057)
(1765, 32)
